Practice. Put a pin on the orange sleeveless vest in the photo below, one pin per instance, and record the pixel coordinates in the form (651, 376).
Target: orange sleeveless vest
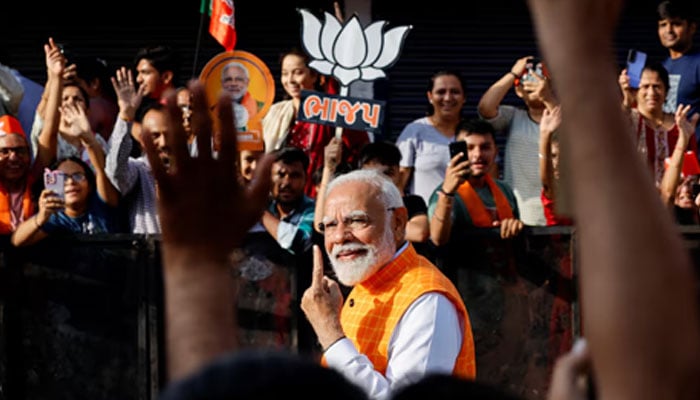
(374, 307)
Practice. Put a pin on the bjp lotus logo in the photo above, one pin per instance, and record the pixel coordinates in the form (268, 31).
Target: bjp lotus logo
(348, 52)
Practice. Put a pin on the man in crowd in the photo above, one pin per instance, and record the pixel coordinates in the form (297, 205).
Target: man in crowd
(18, 171)
(156, 70)
(403, 318)
(16, 175)
(290, 215)
(521, 127)
(131, 175)
(676, 27)
(385, 157)
(469, 197)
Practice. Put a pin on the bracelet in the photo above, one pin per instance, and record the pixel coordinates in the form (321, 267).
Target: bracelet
(438, 218)
(516, 76)
(441, 190)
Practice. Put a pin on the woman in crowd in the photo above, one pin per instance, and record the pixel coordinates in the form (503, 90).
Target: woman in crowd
(656, 131)
(424, 142)
(90, 201)
(281, 128)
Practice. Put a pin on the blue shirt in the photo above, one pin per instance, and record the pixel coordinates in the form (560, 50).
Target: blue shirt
(99, 218)
(684, 79)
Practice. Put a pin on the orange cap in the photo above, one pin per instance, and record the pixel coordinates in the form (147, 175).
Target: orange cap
(10, 125)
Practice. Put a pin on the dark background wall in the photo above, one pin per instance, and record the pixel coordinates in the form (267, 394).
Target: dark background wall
(479, 39)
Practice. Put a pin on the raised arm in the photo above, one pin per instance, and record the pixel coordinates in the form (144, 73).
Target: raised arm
(117, 166)
(551, 119)
(629, 100)
(29, 231)
(197, 252)
(638, 290)
(79, 124)
(441, 212)
(672, 175)
(492, 98)
(542, 88)
(331, 158)
(47, 142)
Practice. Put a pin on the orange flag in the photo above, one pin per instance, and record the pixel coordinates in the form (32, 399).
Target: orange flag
(222, 24)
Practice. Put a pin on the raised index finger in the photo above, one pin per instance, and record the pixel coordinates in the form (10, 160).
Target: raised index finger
(317, 274)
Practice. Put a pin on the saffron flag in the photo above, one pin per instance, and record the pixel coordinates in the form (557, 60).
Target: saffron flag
(222, 21)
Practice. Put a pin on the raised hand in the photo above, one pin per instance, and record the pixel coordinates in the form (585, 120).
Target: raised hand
(201, 204)
(55, 60)
(49, 204)
(205, 213)
(456, 173)
(322, 303)
(551, 119)
(128, 97)
(519, 67)
(76, 120)
(332, 154)
(541, 88)
(685, 125)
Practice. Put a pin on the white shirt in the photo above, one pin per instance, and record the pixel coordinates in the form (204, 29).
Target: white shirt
(427, 339)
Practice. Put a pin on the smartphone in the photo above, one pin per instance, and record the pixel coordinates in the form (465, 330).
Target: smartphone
(533, 66)
(635, 64)
(457, 147)
(53, 180)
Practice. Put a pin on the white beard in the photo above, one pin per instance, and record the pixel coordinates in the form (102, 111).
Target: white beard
(352, 272)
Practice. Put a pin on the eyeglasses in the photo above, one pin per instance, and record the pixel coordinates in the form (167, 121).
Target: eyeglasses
(77, 177)
(20, 151)
(356, 221)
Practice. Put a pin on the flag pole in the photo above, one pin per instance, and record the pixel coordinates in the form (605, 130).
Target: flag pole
(198, 45)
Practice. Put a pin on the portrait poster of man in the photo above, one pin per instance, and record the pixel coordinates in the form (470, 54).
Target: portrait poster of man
(249, 82)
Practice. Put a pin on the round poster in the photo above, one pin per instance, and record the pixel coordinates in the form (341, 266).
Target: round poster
(248, 81)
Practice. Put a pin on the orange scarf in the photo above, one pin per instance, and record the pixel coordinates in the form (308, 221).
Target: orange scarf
(6, 209)
(250, 104)
(475, 206)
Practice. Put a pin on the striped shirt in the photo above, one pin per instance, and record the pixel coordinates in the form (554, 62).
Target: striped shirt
(133, 178)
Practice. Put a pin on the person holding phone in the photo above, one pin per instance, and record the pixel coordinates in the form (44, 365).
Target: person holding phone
(521, 127)
(89, 203)
(469, 196)
(656, 132)
(636, 60)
